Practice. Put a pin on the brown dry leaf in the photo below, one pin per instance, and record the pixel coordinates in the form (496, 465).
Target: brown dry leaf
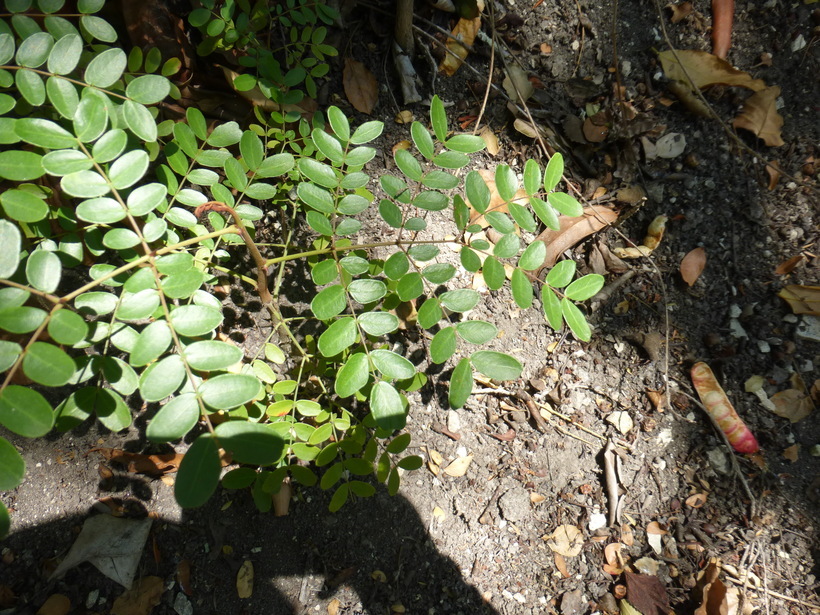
(802, 299)
(184, 576)
(631, 195)
(655, 528)
(693, 265)
(594, 132)
(529, 130)
(573, 230)
(490, 140)
(536, 498)
(627, 535)
(517, 84)
(792, 404)
(657, 399)
(773, 171)
(152, 465)
(792, 453)
(614, 558)
(140, 599)
(760, 117)
(789, 265)
(647, 594)
(459, 466)
(716, 598)
(55, 604)
(244, 579)
(404, 117)
(696, 501)
(333, 607)
(360, 85)
(561, 564)
(545, 48)
(566, 540)
(680, 11)
(705, 69)
(464, 32)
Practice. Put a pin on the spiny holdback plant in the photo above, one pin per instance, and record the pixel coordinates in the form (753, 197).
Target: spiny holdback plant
(117, 226)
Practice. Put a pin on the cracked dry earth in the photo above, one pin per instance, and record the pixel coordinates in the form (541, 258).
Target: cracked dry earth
(528, 526)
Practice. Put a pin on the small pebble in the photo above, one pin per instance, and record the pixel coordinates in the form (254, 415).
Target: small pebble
(763, 346)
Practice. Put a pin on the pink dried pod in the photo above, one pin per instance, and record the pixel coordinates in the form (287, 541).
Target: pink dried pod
(719, 407)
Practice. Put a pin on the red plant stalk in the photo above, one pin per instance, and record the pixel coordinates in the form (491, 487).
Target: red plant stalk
(719, 407)
(723, 13)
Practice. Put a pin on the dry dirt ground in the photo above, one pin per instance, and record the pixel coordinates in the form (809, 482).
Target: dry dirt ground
(495, 540)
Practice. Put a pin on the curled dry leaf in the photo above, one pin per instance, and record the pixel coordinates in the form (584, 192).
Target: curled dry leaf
(696, 501)
(792, 453)
(614, 558)
(773, 171)
(654, 235)
(721, 411)
(621, 420)
(705, 69)
(573, 230)
(802, 299)
(566, 540)
(152, 465)
(760, 117)
(693, 265)
(647, 594)
(715, 597)
(404, 117)
(490, 140)
(792, 404)
(464, 32)
(360, 86)
(789, 265)
(517, 85)
(333, 607)
(184, 576)
(244, 579)
(55, 604)
(561, 564)
(670, 145)
(140, 599)
(653, 527)
(459, 466)
(680, 11)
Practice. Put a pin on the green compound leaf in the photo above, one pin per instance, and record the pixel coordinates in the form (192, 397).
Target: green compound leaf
(585, 287)
(318, 172)
(532, 177)
(63, 95)
(212, 355)
(460, 299)
(276, 165)
(523, 217)
(151, 343)
(67, 327)
(162, 378)
(174, 419)
(48, 365)
(387, 407)
(98, 28)
(423, 252)
(521, 289)
(500, 222)
(408, 164)
(329, 146)
(6, 47)
(355, 265)
(339, 124)
(390, 213)
(148, 89)
(494, 274)
(545, 213)
(431, 200)
(565, 204)
(461, 384)
(429, 313)
(496, 365)
(44, 270)
(399, 444)
(329, 302)
(552, 307)
(20, 165)
(470, 260)
(392, 365)
(91, 117)
(339, 497)
(63, 162)
(553, 172)
(443, 345)
(451, 160)
(338, 337)
(31, 88)
(195, 320)
(466, 144)
(85, 184)
(121, 376)
(110, 145)
(352, 376)
(5, 521)
(439, 273)
(319, 223)
(378, 323)
(198, 474)
(128, 169)
(438, 117)
(396, 265)
(367, 291)
(225, 135)
(44, 133)
(25, 412)
(106, 68)
(562, 274)
(423, 140)
(316, 197)
(24, 319)
(477, 331)
(239, 478)
(508, 246)
(9, 352)
(410, 463)
(12, 467)
(533, 256)
(253, 443)
(440, 180)
(576, 320)
(228, 391)
(506, 182)
(23, 206)
(140, 121)
(410, 286)
(366, 132)
(183, 285)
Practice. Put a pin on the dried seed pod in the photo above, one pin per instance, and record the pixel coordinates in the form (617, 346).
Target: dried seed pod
(719, 407)
(654, 233)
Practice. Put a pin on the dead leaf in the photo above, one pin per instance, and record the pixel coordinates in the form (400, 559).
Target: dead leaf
(574, 230)
(545, 48)
(141, 599)
(536, 498)
(490, 140)
(184, 577)
(627, 535)
(360, 86)
(281, 499)
(561, 564)
(152, 465)
(657, 399)
(333, 607)
(760, 117)
(113, 545)
(566, 540)
(653, 527)
(705, 69)
(621, 420)
(693, 265)
(792, 452)
(680, 11)
(670, 145)
(55, 604)
(647, 594)
(614, 558)
(696, 501)
(631, 195)
(802, 299)
(715, 597)
(517, 85)
(773, 171)
(789, 265)
(464, 32)
(404, 117)
(593, 131)
(244, 580)
(792, 404)
(459, 466)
